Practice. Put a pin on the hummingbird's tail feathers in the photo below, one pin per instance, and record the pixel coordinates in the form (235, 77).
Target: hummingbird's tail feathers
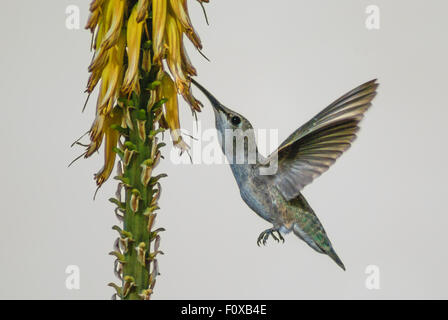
(306, 237)
(319, 242)
(332, 254)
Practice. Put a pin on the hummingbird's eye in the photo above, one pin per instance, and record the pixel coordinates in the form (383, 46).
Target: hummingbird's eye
(235, 120)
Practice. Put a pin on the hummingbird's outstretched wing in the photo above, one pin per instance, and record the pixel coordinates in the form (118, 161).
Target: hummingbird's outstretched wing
(315, 146)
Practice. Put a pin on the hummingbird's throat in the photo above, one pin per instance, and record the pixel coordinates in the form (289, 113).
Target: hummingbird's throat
(239, 146)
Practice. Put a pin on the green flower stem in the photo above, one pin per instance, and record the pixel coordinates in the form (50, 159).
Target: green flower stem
(137, 247)
(136, 223)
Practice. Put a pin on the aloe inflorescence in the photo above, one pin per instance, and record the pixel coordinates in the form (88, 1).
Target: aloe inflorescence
(133, 41)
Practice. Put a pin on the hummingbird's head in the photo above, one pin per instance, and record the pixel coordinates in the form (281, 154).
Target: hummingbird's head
(230, 121)
(236, 133)
(226, 119)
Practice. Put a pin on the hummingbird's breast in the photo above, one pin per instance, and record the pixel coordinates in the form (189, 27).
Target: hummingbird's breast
(259, 195)
(262, 199)
(258, 199)
(267, 202)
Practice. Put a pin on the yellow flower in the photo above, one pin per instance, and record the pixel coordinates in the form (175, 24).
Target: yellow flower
(180, 10)
(134, 36)
(174, 57)
(158, 28)
(111, 136)
(112, 35)
(112, 77)
(142, 10)
(171, 111)
(120, 58)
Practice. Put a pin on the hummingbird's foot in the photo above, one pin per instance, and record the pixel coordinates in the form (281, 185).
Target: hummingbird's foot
(280, 236)
(264, 236)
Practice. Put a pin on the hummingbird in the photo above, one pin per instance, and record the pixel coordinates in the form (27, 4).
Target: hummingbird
(272, 186)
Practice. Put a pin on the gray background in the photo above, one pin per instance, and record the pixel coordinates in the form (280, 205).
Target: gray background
(278, 63)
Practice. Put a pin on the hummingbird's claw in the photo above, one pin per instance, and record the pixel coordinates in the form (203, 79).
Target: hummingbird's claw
(280, 236)
(260, 238)
(264, 236)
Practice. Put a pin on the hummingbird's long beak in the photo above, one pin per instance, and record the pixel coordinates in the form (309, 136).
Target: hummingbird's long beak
(215, 103)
